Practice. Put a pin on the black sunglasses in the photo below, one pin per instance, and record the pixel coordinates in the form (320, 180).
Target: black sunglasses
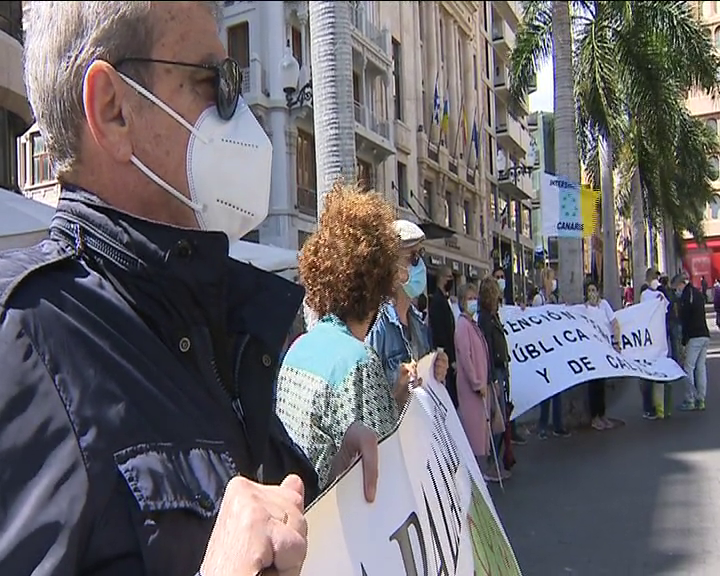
(228, 80)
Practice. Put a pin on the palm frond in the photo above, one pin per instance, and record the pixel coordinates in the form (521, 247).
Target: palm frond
(533, 46)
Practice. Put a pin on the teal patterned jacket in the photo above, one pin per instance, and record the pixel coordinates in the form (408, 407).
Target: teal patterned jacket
(328, 380)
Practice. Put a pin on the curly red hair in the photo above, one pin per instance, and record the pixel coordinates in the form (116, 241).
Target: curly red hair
(349, 266)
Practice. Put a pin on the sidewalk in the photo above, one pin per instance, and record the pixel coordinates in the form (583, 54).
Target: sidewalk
(641, 500)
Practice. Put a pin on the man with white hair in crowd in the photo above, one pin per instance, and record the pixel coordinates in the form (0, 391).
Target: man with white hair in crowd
(136, 431)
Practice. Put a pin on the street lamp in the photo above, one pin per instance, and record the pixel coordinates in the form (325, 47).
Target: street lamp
(290, 75)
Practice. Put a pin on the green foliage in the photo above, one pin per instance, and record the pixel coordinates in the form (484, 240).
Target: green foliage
(634, 64)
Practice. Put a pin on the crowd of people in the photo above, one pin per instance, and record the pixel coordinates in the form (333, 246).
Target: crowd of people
(139, 432)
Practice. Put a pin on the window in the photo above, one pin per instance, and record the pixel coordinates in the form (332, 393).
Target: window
(514, 215)
(503, 210)
(397, 79)
(487, 60)
(402, 195)
(460, 58)
(475, 75)
(421, 20)
(493, 202)
(442, 42)
(41, 166)
(484, 7)
(714, 168)
(306, 160)
(448, 221)
(296, 42)
(366, 175)
(302, 238)
(488, 109)
(525, 229)
(238, 37)
(357, 92)
(467, 217)
(717, 38)
(427, 199)
(712, 124)
(491, 154)
(715, 207)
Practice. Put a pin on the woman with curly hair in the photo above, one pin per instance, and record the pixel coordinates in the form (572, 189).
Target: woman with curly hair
(329, 378)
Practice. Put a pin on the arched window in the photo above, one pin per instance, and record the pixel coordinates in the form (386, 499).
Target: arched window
(716, 35)
(715, 207)
(712, 124)
(714, 168)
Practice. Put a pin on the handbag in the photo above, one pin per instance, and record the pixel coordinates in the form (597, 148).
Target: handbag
(497, 418)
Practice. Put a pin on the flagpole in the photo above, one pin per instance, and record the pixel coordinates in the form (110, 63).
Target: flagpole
(457, 132)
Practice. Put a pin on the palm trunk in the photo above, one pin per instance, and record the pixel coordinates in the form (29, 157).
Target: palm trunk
(611, 280)
(637, 215)
(670, 253)
(333, 112)
(566, 152)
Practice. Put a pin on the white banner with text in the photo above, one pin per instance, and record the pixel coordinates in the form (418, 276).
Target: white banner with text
(432, 514)
(555, 347)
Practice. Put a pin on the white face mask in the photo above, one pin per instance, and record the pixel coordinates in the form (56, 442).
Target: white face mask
(654, 284)
(229, 164)
(554, 285)
(501, 284)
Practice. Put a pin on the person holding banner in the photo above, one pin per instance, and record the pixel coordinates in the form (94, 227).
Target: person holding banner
(479, 396)
(547, 295)
(330, 379)
(596, 388)
(399, 335)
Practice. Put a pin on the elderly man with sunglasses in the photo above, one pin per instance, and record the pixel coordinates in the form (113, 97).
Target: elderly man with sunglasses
(136, 427)
(399, 335)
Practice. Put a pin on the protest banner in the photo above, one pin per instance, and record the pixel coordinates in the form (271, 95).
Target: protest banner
(432, 513)
(553, 348)
(567, 209)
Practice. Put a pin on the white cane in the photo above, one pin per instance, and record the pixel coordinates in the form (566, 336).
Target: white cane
(492, 446)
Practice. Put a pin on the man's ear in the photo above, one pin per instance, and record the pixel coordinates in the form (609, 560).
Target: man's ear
(107, 108)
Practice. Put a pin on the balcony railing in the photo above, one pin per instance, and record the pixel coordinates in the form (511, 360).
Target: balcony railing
(366, 118)
(368, 29)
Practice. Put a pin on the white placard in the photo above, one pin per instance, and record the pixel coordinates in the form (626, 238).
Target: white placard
(432, 514)
(555, 347)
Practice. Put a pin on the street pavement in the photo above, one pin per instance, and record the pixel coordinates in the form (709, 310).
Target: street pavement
(639, 500)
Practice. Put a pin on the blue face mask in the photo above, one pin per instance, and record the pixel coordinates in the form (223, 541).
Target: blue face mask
(417, 280)
(471, 307)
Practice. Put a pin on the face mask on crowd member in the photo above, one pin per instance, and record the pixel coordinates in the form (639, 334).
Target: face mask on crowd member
(229, 158)
(654, 284)
(417, 279)
(554, 285)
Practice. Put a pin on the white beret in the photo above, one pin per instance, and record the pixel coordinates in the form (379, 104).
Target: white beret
(409, 232)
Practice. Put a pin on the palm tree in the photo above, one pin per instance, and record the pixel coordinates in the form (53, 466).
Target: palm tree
(634, 63)
(333, 111)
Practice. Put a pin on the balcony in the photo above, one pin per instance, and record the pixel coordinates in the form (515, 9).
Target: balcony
(503, 39)
(511, 12)
(502, 83)
(370, 41)
(254, 83)
(12, 86)
(373, 135)
(532, 120)
(512, 135)
(516, 183)
(532, 85)
(307, 201)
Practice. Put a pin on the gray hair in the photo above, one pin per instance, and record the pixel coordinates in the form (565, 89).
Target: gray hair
(464, 290)
(679, 279)
(62, 39)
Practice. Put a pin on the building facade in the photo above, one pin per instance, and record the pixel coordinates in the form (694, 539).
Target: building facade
(476, 207)
(15, 115)
(704, 260)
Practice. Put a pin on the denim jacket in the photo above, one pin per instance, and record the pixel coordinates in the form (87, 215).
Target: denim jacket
(387, 338)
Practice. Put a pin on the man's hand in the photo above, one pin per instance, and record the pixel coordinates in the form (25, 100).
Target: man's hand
(359, 440)
(258, 527)
(407, 375)
(440, 366)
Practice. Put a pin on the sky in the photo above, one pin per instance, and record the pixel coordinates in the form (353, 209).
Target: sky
(542, 99)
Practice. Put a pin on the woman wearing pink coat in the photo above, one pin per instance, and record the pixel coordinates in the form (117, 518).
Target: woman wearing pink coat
(477, 404)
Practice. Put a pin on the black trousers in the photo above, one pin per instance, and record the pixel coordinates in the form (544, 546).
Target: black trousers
(596, 396)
